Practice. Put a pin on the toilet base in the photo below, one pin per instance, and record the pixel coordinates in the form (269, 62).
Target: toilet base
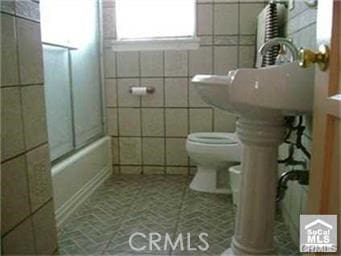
(205, 180)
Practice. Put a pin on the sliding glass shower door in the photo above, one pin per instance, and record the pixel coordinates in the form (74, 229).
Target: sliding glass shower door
(70, 34)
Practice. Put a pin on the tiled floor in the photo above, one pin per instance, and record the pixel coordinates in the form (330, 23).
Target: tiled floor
(164, 204)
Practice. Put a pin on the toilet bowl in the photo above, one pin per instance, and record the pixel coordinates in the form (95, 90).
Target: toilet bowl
(212, 153)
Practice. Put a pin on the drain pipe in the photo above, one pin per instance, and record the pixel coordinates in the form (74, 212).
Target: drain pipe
(301, 176)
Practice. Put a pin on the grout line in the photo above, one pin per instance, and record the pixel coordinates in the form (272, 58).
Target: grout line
(188, 111)
(213, 57)
(21, 85)
(213, 36)
(238, 37)
(27, 217)
(158, 107)
(24, 138)
(24, 152)
(164, 111)
(19, 16)
(140, 113)
(117, 116)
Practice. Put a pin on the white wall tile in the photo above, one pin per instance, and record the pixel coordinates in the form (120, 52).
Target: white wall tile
(226, 19)
(200, 61)
(224, 121)
(246, 56)
(129, 122)
(12, 136)
(176, 63)
(248, 17)
(115, 151)
(153, 122)
(156, 99)
(33, 100)
(204, 19)
(153, 151)
(226, 40)
(27, 9)
(205, 40)
(176, 122)
(112, 122)
(194, 98)
(176, 151)
(109, 24)
(20, 240)
(200, 120)
(176, 92)
(152, 63)
(30, 51)
(39, 176)
(109, 63)
(131, 170)
(225, 59)
(247, 40)
(111, 92)
(44, 227)
(9, 59)
(7, 6)
(130, 150)
(14, 193)
(127, 64)
(125, 98)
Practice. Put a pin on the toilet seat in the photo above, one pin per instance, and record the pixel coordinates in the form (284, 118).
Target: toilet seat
(213, 138)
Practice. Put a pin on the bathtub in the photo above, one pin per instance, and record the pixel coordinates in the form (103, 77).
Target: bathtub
(75, 178)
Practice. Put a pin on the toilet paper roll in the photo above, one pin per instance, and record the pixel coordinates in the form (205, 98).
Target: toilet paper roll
(139, 91)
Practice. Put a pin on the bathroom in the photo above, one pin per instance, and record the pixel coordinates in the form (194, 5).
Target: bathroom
(111, 143)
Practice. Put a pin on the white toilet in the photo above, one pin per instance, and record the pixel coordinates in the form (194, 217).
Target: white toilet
(212, 152)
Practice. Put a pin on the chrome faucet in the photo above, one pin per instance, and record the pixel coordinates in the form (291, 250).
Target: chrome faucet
(279, 41)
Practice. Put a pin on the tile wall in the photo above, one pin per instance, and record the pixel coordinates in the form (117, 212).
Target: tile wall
(27, 223)
(149, 132)
(301, 27)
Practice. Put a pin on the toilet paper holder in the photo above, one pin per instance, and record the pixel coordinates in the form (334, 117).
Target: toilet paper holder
(148, 89)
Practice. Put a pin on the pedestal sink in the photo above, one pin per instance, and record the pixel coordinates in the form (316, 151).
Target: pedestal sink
(261, 97)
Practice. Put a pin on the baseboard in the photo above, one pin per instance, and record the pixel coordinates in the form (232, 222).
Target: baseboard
(78, 198)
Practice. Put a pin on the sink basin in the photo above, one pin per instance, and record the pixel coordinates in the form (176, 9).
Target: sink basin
(276, 90)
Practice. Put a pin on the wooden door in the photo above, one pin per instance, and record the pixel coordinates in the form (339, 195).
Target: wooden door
(325, 180)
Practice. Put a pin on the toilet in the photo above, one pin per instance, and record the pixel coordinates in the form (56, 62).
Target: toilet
(212, 153)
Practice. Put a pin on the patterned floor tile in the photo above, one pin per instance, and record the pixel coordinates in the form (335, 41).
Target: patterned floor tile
(164, 204)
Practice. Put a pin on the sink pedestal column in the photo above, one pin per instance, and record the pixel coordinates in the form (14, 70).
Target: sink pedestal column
(256, 211)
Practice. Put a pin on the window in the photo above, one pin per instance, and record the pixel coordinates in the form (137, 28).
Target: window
(153, 23)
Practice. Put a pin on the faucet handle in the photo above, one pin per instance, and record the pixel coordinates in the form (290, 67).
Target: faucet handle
(307, 57)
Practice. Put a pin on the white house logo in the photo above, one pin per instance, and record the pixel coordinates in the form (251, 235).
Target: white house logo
(318, 233)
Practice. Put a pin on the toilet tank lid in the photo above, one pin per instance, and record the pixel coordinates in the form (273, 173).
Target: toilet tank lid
(213, 138)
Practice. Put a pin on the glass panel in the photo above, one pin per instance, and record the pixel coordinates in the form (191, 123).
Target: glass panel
(86, 75)
(58, 100)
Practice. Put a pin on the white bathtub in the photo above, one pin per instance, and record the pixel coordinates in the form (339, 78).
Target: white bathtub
(75, 178)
